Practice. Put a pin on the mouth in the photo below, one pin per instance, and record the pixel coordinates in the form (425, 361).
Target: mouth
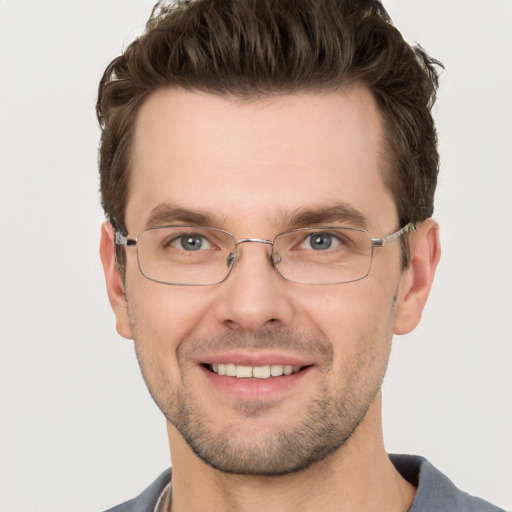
(260, 377)
(253, 372)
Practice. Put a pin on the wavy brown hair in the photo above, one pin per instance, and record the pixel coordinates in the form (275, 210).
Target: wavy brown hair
(254, 48)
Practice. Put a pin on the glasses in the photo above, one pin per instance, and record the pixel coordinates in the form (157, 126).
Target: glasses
(194, 255)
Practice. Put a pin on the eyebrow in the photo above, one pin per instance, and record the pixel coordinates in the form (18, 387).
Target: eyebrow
(167, 213)
(342, 213)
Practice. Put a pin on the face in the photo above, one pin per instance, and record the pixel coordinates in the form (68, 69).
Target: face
(255, 169)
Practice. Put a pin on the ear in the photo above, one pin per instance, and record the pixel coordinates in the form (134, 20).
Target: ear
(417, 280)
(114, 281)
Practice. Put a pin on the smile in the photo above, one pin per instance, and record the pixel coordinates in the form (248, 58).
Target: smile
(253, 372)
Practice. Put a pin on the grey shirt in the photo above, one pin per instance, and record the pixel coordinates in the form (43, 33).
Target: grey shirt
(436, 493)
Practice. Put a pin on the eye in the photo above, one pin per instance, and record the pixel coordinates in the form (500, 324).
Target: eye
(320, 241)
(190, 242)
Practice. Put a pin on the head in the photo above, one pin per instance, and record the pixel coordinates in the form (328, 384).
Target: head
(257, 117)
(251, 49)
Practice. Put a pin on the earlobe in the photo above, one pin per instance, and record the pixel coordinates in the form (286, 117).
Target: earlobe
(417, 279)
(114, 281)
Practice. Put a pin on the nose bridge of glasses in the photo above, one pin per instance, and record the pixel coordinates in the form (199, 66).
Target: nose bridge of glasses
(257, 240)
(235, 254)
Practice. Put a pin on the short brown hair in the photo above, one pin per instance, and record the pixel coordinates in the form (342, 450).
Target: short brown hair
(254, 48)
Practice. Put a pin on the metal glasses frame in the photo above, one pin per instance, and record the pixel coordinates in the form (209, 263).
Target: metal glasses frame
(123, 240)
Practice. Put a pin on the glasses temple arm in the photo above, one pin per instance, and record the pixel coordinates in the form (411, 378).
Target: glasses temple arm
(123, 240)
(385, 240)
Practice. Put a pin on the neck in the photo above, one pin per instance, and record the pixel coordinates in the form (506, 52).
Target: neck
(358, 476)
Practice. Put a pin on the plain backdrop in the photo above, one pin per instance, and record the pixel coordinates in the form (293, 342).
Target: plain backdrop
(78, 429)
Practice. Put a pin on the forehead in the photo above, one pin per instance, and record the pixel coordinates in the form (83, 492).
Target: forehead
(254, 161)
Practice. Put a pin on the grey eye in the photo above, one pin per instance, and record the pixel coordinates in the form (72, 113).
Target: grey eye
(320, 241)
(191, 242)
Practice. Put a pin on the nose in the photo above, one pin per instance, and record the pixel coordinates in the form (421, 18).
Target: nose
(254, 296)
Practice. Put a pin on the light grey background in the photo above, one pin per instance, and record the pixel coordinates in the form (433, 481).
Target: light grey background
(78, 429)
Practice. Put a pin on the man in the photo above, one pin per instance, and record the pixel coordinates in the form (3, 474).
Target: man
(268, 170)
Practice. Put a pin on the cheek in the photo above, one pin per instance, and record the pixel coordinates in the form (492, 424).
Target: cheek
(350, 306)
(161, 318)
(162, 315)
(357, 319)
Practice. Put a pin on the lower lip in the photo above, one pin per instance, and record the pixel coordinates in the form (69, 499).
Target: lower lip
(254, 389)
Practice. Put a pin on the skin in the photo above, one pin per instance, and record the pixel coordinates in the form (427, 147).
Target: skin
(250, 166)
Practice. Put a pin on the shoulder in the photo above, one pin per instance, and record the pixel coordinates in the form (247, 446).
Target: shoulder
(147, 499)
(436, 492)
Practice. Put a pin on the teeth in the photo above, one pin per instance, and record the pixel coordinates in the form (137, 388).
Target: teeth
(261, 372)
(243, 372)
(276, 370)
(254, 372)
